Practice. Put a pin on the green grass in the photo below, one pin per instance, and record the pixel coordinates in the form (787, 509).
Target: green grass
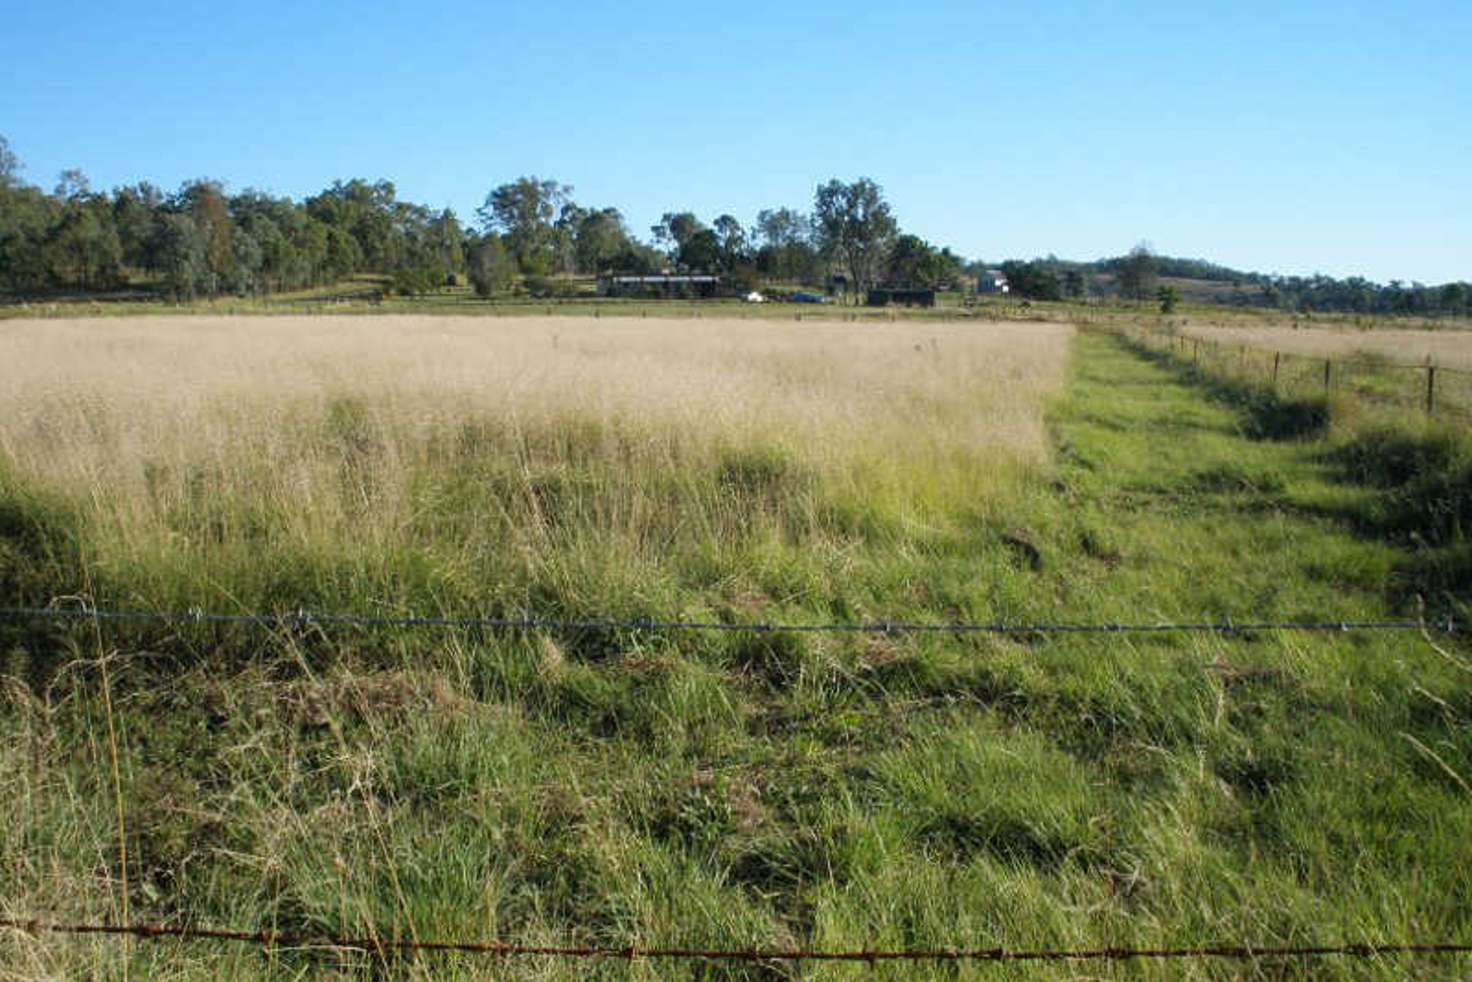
(727, 791)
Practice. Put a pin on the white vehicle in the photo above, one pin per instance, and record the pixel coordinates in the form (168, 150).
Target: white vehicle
(754, 297)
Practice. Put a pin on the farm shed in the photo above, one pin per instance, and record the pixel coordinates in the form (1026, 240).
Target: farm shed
(992, 281)
(659, 285)
(884, 296)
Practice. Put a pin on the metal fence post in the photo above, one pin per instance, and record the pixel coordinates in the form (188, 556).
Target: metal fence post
(1277, 358)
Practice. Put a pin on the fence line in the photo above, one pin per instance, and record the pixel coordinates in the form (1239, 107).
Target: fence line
(1428, 390)
(300, 620)
(384, 946)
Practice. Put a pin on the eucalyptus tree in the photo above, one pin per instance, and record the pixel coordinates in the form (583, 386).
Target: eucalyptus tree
(674, 230)
(81, 246)
(205, 202)
(730, 241)
(524, 212)
(786, 244)
(915, 262)
(448, 240)
(26, 213)
(135, 212)
(601, 238)
(183, 252)
(1138, 273)
(492, 268)
(9, 165)
(856, 228)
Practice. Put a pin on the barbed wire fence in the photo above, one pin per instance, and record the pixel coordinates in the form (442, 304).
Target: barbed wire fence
(302, 619)
(386, 946)
(1439, 391)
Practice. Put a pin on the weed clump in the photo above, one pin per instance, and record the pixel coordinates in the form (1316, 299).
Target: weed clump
(1270, 416)
(1424, 501)
(1427, 480)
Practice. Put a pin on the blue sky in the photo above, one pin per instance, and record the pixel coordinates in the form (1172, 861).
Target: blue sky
(1297, 137)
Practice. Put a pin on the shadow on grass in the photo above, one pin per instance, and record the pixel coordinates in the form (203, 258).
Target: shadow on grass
(1266, 413)
(1419, 480)
(1422, 501)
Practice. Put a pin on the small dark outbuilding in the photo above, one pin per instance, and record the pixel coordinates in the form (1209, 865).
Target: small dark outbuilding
(884, 296)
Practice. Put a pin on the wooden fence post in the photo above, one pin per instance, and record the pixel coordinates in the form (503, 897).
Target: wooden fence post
(1277, 357)
(1328, 369)
(1195, 351)
(1430, 389)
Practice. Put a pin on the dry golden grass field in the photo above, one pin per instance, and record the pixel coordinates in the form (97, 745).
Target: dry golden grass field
(517, 440)
(99, 399)
(1451, 348)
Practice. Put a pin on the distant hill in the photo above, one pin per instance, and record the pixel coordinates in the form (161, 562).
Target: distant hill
(1203, 281)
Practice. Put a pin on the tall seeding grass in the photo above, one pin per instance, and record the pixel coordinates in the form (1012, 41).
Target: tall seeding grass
(1451, 347)
(401, 464)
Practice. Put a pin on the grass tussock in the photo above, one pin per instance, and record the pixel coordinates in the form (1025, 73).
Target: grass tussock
(1423, 480)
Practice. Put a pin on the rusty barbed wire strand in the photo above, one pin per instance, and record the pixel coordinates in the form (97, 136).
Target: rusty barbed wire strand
(630, 952)
(302, 619)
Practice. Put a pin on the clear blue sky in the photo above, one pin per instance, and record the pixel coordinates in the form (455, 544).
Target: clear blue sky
(1297, 137)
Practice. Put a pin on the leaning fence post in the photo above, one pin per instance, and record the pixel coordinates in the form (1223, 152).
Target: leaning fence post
(1277, 357)
(1328, 369)
(1430, 389)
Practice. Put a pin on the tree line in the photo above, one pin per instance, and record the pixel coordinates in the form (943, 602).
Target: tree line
(531, 233)
(201, 241)
(1137, 276)
(534, 229)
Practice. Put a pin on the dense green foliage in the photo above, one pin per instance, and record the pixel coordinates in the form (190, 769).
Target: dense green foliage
(915, 262)
(199, 241)
(1036, 280)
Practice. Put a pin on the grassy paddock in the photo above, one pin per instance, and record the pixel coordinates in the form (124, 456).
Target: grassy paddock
(1448, 348)
(1359, 374)
(628, 788)
(397, 464)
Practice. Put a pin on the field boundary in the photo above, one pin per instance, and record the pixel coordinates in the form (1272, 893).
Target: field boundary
(385, 946)
(301, 620)
(1436, 390)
